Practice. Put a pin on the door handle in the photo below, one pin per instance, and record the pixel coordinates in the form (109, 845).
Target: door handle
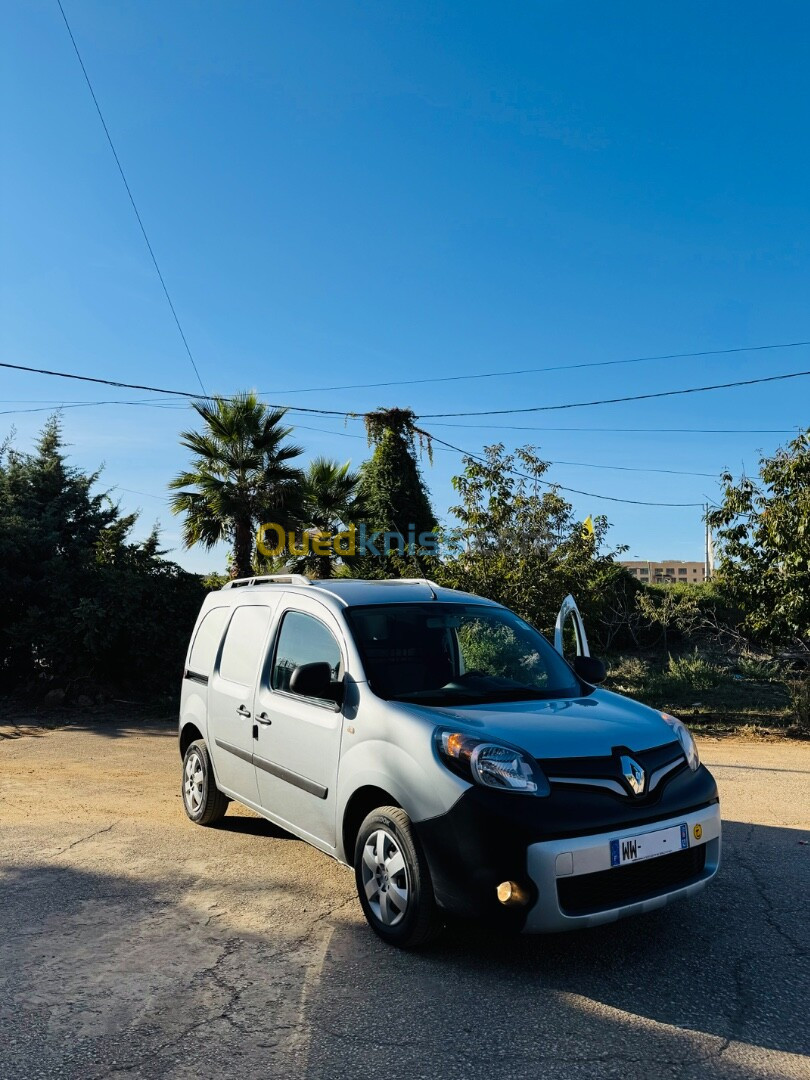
(243, 710)
(264, 719)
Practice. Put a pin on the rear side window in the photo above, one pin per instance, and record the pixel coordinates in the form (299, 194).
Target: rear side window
(243, 646)
(303, 639)
(206, 641)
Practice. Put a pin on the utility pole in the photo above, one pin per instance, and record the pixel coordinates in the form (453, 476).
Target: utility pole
(709, 553)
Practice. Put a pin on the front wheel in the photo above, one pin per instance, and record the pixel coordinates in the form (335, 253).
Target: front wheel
(393, 880)
(204, 802)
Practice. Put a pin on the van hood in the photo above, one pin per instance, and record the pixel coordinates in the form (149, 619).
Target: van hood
(561, 727)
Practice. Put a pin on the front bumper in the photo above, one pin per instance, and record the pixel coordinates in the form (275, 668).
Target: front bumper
(576, 886)
(488, 837)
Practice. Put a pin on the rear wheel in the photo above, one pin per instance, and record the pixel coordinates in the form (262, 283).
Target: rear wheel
(393, 880)
(202, 799)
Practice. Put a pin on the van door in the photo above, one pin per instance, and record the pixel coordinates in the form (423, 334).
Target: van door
(230, 700)
(569, 610)
(298, 738)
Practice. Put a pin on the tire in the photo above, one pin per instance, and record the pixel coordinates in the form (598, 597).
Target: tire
(203, 801)
(393, 880)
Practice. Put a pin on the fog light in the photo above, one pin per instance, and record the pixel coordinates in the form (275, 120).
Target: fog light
(511, 894)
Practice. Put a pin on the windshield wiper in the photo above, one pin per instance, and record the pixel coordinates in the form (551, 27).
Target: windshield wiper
(439, 696)
(463, 696)
(517, 693)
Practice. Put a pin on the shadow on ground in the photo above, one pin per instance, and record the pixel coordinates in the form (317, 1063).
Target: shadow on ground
(102, 975)
(15, 723)
(732, 965)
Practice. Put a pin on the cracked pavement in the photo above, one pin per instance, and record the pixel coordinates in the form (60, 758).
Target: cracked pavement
(135, 944)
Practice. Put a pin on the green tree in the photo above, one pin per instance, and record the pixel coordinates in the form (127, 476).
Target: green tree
(330, 504)
(520, 543)
(393, 492)
(82, 606)
(50, 524)
(762, 530)
(241, 476)
(671, 607)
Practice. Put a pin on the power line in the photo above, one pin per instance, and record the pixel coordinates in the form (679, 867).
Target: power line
(538, 370)
(549, 484)
(616, 401)
(189, 394)
(633, 468)
(309, 410)
(577, 464)
(60, 403)
(624, 430)
(102, 382)
(129, 193)
(329, 431)
(440, 442)
(58, 406)
(146, 494)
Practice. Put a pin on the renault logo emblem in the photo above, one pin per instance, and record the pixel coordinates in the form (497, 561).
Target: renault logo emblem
(633, 774)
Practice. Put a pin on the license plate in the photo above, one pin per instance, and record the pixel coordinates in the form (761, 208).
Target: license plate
(648, 845)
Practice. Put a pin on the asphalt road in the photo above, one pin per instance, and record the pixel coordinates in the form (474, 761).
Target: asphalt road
(133, 942)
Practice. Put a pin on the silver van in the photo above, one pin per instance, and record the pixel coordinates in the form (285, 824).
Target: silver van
(444, 749)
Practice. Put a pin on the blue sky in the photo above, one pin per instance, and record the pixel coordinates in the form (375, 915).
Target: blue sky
(342, 193)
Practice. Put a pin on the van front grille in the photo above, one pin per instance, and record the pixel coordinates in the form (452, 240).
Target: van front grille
(586, 894)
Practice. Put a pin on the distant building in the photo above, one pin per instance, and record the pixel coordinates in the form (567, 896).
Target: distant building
(666, 572)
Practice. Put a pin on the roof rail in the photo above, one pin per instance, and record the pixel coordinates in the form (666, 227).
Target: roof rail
(274, 579)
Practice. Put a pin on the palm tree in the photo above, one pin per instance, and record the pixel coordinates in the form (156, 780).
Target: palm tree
(240, 476)
(330, 504)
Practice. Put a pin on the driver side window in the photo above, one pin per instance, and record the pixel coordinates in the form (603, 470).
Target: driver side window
(303, 639)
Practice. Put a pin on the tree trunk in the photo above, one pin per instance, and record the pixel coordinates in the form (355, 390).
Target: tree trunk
(242, 550)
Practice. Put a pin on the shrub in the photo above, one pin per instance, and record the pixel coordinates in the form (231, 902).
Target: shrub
(758, 670)
(81, 604)
(693, 672)
(627, 671)
(800, 704)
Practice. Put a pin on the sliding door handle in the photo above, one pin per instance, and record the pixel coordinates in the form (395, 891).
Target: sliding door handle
(243, 710)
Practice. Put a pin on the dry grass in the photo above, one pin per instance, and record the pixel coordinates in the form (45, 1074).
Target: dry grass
(745, 695)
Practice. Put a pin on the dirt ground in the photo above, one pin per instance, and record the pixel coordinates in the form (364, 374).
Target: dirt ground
(133, 942)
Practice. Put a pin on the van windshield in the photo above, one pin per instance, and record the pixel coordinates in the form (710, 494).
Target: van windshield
(457, 654)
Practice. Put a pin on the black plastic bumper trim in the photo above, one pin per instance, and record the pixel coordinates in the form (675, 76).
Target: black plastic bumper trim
(271, 767)
(588, 894)
(484, 838)
(244, 755)
(303, 782)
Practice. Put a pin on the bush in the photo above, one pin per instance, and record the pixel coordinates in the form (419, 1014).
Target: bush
(758, 670)
(693, 672)
(681, 680)
(81, 605)
(800, 705)
(627, 672)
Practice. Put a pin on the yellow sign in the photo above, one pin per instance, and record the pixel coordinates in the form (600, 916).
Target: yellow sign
(698, 831)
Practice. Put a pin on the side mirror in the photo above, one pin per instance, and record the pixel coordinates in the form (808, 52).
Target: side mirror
(315, 680)
(589, 668)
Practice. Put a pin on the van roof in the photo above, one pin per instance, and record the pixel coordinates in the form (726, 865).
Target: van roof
(357, 592)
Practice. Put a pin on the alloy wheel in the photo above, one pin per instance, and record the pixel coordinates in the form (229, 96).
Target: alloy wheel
(194, 782)
(385, 878)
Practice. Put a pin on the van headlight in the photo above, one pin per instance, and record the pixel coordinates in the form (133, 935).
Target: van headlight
(684, 737)
(490, 764)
